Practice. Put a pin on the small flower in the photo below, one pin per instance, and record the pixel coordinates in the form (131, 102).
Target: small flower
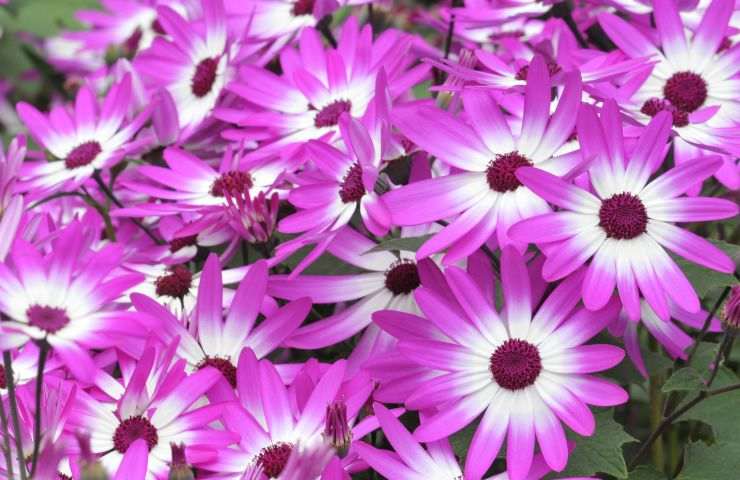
(731, 311)
(337, 430)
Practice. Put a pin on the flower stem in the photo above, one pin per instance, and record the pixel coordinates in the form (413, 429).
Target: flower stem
(43, 354)
(656, 415)
(6, 441)
(12, 399)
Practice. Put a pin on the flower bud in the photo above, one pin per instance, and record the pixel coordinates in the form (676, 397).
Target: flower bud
(179, 469)
(90, 466)
(731, 311)
(337, 430)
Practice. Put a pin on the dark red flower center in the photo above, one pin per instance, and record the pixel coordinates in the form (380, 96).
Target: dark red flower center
(177, 244)
(48, 319)
(655, 105)
(500, 173)
(273, 459)
(232, 183)
(133, 429)
(157, 27)
(623, 216)
(205, 75)
(516, 364)
(176, 283)
(61, 476)
(686, 91)
(222, 365)
(329, 115)
(131, 44)
(402, 277)
(83, 154)
(303, 7)
(3, 379)
(352, 188)
(552, 68)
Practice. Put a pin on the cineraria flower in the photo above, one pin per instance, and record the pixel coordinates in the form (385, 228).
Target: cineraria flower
(270, 424)
(694, 80)
(66, 298)
(486, 196)
(159, 414)
(82, 139)
(11, 204)
(216, 340)
(192, 64)
(319, 84)
(528, 371)
(628, 221)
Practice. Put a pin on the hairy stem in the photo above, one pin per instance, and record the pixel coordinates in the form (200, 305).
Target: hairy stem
(43, 354)
(6, 441)
(12, 400)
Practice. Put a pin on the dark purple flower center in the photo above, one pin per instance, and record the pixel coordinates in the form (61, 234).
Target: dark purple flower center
(177, 244)
(329, 115)
(131, 44)
(176, 283)
(655, 105)
(48, 319)
(402, 277)
(303, 7)
(501, 171)
(273, 459)
(552, 68)
(82, 154)
(516, 364)
(686, 91)
(222, 365)
(133, 429)
(623, 216)
(352, 188)
(205, 75)
(233, 183)
(61, 476)
(158, 28)
(3, 379)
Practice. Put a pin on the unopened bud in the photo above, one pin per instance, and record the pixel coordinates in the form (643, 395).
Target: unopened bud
(337, 430)
(731, 312)
(179, 469)
(90, 466)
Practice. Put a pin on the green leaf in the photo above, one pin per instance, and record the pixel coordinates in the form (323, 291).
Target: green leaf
(601, 452)
(646, 472)
(410, 244)
(460, 441)
(720, 412)
(684, 379)
(716, 462)
(48, 17)
(705, 280)
(422, 90)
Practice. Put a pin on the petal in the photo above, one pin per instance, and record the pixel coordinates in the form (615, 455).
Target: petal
(557, 191)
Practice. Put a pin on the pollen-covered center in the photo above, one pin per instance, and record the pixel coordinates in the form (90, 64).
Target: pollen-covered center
(623, 216)
(402, 277)
(329, 115)
(686, 91)
(552, 69)
(176, 283)
(303, 7)
(500, 173)
(273, 458)
(177, 244)
(48, 319)
(516, 364)
(227, 369)
(352, 188)
(233, 183)
(204, 76)
(83, 154)
(3, 378)
(133, 429)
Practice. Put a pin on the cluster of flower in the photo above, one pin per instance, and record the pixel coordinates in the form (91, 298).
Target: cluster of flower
(258, 233)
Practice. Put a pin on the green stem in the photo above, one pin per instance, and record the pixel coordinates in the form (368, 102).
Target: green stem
(43, 354)
(6, 441)
(12, 399)
(656, 415)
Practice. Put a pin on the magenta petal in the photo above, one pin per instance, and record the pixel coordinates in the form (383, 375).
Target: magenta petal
(134, 462)
(487, 441)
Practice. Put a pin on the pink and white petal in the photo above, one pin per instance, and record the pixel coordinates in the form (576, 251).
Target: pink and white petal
(454, 416)
(443, 356)
(275, 402)
(488, 120)
(384, 462)
(402, 441)
(312, 415)
(550, 435)
(641, 254)
(671, 32)
(680, 179)
(517, 293)
(187, 392)
(209, 309)
(648, 153)
(135, 461)
(557, 191)
(552, 227)
(536, 107)
(629, 39)
(562, 122)
(674, 281)
(278, 326)
(573, 253)
(488, 437)
(569, 408)
(557, 307)
(583, 359)
(580, 327)
(476, 237)
(326, 288)
(439, 390)
(601, 276)
(521, 436)
(596, 391)
(627, 287)
(692, 209)
(690, 246)
(245, 306)
(711, 31)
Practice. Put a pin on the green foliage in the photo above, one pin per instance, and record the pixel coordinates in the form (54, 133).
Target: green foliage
(721, 412)
(646, 472)
(47, 18)
(720, 461)
(410, 244)
(602, 452)
(705, 280)
(685, 379)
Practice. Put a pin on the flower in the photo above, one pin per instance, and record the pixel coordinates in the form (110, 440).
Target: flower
(66, 298)
(486, 196)
(82, 139)
(626, 224)
(193, 64)
(525, 371)
(731, 310)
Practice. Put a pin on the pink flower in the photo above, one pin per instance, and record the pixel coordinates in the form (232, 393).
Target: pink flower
(628, 221)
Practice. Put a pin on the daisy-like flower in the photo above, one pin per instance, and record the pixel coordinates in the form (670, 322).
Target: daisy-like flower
(217, 341)
(65, 298)
(528, 371)
(319, 85)
(158, 412)
(694, 79)
(627, 223)
(270, 424)
(11, 204)
(485, 196)
(192, 64)
(82, 139)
